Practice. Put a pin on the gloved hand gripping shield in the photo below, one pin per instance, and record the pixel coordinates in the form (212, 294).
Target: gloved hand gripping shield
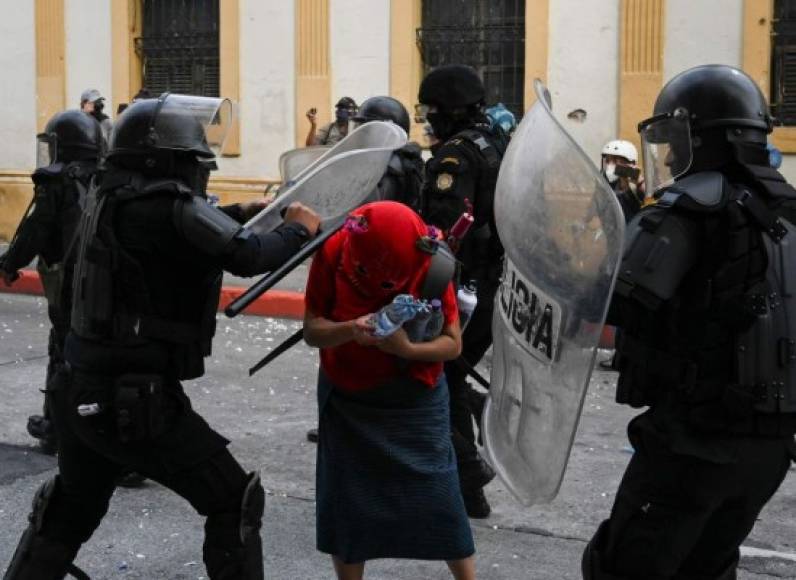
(562, 229)
(342, 178)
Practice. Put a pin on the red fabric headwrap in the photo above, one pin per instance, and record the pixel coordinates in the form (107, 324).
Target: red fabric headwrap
(347, 279)
(380, 256)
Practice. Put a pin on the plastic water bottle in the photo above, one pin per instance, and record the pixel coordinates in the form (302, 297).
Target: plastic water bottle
(467, 300)
(435, 321)
(391, 317)
(416, 328)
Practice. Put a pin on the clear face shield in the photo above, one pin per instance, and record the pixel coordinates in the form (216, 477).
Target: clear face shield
(214, 115)
(666, 148)
(46, 149)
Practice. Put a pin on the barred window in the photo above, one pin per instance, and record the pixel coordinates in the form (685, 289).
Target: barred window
(488, 35)
(783, 62)
(179, 46)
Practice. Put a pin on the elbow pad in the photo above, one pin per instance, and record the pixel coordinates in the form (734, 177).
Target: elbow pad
(205, 226)
(661, 248)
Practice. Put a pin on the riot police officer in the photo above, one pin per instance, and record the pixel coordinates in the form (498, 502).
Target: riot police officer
(707, 336)
(463, 172)
(403, 180)
(68, 152)
(147, 283)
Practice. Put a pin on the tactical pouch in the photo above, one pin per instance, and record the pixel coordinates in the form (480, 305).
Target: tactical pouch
(52, 280)
(138, 404)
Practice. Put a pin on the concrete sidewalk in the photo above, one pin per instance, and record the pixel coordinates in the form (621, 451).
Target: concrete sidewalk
(152, 534)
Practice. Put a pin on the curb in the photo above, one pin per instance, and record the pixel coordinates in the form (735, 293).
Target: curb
(274, 303)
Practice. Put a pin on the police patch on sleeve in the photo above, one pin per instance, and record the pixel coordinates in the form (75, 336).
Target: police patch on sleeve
(444, 181)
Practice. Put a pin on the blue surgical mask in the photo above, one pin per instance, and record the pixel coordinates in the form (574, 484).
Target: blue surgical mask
(342, 114)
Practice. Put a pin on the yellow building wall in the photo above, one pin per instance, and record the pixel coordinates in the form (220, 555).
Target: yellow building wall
(641, 45)
(757, 30)
(50, 60)
(313, 69)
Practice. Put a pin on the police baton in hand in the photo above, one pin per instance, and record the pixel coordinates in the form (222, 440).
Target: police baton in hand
(270, 280)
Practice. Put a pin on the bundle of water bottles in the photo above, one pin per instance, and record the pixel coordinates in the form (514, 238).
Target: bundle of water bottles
(422, 319)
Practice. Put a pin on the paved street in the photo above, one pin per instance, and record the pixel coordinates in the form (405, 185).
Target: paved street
(152, 534)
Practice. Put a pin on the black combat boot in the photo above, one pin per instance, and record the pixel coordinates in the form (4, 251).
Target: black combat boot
(233, 549)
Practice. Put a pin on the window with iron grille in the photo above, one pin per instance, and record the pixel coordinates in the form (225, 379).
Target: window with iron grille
(488, 35)
(783, 62)
(179, 46)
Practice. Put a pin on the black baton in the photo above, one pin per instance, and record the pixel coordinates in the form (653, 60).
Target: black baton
(271, 279)
(472, 372)
(294, 339)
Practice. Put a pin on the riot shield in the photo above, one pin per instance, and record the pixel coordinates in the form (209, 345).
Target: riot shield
(342, 178)
(562, 229)
(293, 162)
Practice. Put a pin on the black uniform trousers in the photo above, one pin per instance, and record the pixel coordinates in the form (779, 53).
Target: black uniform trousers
(476, 340)
(188, 457)
(682, 515)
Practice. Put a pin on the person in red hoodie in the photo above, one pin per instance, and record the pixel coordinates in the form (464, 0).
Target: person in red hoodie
(387, 485)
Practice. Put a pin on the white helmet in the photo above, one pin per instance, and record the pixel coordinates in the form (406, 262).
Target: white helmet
(621, 148)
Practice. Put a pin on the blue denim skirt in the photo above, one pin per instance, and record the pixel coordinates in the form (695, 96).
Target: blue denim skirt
(386, 480)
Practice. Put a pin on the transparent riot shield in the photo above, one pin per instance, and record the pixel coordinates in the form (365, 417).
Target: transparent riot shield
(342, 178)
(293, 162)
(562, 229)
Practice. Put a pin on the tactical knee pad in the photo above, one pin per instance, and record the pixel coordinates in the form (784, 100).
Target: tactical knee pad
(38, 556)
(232, 548)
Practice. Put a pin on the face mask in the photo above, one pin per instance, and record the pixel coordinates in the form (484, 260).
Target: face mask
(610, 173)
(342, 115)
(442, 125)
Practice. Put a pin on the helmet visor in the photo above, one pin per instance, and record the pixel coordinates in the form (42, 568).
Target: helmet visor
(213, 115)
(46, 149)
(666, 148)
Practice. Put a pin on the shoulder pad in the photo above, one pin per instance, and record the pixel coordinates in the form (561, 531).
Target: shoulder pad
(483, 142)
(701, 192)
(166, 185)
(660, 250)
(49, 172)
(204, 226)
(394, 166)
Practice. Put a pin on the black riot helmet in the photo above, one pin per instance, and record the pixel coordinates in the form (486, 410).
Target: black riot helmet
(383, 108)
(452, 86)
(171, 124)
(451, 100)
(704, 118)
(69, 136)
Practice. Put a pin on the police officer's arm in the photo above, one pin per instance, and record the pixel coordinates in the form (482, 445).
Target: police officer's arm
(238, 250)
(450, 181)
(33, 232)
(661, 248)
(243, 212)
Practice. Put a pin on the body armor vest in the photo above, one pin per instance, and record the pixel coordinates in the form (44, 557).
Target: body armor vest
(112, 300)
(725, 339)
